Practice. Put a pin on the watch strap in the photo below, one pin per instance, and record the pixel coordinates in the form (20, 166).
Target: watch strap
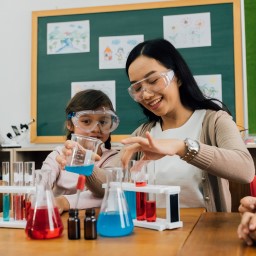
(190, 154)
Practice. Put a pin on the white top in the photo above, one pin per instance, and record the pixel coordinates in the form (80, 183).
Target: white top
(172, 171)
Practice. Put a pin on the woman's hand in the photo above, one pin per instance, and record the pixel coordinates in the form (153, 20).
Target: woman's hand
(247, 204)
(153, 149)
(247, 228)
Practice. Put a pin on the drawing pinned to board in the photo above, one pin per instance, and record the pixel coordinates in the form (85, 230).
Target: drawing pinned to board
(113, 50)
(68, 37)
(108, 87)
(188, 30)
(210, 85)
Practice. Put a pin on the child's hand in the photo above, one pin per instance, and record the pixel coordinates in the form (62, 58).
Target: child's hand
(247, 204)
(247, 228)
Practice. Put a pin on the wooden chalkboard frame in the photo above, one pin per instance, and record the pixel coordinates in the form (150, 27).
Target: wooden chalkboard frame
(36, 15)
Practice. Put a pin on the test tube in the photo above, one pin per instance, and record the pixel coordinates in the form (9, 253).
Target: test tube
(29, 180)
(6, 196)
(29, 170)
(18, 198)
(151, 208)
(151, 199)
(141, 197)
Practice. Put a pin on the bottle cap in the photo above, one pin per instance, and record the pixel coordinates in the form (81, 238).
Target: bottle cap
(90, 211)
(73, 212)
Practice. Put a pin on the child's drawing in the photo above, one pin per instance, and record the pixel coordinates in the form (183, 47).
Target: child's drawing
(210, 85)
(68, 37)
(188, 30)
(113, 51)
(108, 87)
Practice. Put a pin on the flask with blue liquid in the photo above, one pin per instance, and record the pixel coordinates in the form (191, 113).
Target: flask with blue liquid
(115, 218)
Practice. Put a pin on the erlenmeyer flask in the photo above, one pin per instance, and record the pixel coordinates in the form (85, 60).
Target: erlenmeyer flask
(115, 218)
(44, 220)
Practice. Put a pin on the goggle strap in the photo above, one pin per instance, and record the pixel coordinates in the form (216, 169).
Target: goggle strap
(70, 115)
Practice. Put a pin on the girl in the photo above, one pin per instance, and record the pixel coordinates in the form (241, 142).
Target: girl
(89, 113)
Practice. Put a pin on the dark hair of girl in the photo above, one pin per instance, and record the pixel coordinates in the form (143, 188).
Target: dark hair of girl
(88, 100)
(165, 53)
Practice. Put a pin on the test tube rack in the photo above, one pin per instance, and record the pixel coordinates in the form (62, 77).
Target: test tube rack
(15, 189)
(172, 219)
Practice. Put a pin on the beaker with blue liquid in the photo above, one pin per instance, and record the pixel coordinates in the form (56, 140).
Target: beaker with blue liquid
(82, 159)
(115, 218)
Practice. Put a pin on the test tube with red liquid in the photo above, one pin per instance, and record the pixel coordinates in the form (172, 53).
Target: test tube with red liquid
(18, 198)
(29, 180)
(141, 198)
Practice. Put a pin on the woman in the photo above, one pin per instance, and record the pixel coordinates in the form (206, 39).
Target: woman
(89, 113)
(193, 139)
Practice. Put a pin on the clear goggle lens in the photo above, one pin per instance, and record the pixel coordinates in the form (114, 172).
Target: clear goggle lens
(153, 83)
(88, 120)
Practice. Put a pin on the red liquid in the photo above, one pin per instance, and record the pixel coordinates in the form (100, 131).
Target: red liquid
(18, 207)
(151, 211)
(42, 225)
(141, 198)
(27, 208)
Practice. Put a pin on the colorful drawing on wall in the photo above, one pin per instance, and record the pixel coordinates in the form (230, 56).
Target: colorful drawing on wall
(108, 87)
(210, 85)
(113, 51)
(68, 37)
(188, 30)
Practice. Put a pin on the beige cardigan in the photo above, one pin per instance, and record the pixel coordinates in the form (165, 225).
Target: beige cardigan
(223, 156)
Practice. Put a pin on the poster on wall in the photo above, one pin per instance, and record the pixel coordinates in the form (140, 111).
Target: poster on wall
(114, 50)
(188, 30)
(68, 37)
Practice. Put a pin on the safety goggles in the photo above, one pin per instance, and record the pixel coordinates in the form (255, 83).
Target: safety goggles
(88, 120)
(151, 84)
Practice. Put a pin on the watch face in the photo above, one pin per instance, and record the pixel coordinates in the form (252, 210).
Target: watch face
(193, 144)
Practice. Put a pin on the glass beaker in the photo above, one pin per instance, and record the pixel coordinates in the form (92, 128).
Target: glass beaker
(44, 220)
(82, 160)
(115, 218)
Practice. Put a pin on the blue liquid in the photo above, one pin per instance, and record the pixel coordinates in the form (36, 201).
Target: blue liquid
(6, 207)
(113, 224)
(131, 201)
(81, 169)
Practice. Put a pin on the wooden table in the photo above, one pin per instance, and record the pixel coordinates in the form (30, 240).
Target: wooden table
(141, 242)
(202, 234)
(216, 234)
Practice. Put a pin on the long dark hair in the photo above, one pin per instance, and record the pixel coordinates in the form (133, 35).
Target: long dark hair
(88, 100)
(165, 53)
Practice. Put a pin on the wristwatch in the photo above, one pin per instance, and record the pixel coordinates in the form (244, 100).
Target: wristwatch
(192, 147)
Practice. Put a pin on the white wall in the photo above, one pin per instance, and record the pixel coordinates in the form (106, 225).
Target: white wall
(15, 55)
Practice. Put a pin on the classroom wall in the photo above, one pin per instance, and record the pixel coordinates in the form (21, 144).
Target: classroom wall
(15, 55)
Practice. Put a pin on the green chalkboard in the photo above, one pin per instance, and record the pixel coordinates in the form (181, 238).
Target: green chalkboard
(52, 75)
(250, 20)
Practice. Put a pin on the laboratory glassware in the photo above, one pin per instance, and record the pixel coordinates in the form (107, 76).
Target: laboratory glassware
(115, 218)
(44, 220)
(6, 196)
(90, 224)
(18, 198)
(81, 160)
(73, 224)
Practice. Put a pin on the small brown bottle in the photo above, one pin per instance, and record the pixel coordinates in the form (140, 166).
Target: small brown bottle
(73, 225)
(90, 224)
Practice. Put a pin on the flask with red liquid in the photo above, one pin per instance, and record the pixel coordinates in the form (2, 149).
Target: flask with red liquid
(44, 220)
